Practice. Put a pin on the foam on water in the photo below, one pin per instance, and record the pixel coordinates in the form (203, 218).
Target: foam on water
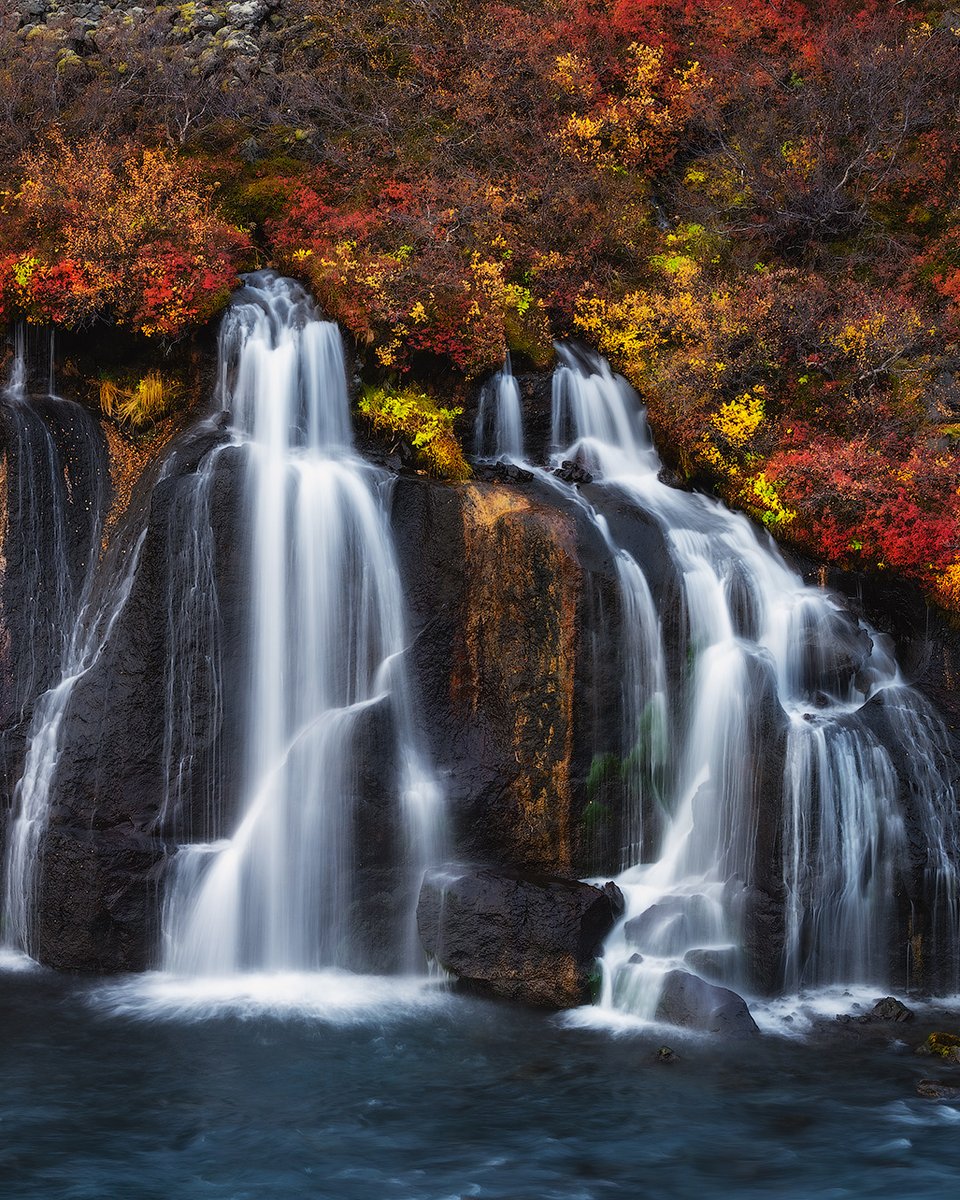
(338, 997)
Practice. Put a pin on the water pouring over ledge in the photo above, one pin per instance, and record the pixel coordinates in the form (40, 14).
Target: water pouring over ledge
(56, 503)
(786, 703)
(326, 642)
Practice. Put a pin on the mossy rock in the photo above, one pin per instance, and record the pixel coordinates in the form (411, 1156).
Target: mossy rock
(942, 1045)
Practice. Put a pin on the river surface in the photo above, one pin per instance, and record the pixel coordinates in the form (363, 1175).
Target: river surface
(373, 1090)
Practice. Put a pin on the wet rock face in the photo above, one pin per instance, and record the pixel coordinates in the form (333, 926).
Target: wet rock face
(514, 618)
(53, 494)
(691, 1003)
(97, 903)
(526, 938)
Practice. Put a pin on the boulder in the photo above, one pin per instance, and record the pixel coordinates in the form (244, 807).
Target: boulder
(936, 1089)
(713, 962)
(942, 1045)
(692, 1003)
(887, 1009)
(522, 937)
(671, 924)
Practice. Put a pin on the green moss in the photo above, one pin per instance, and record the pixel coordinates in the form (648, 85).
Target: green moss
(604, 769)
(595, 982)
(942, 1045)
(595, 816)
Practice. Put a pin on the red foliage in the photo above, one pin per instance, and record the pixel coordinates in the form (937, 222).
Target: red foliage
(97, 231)
(862, 504)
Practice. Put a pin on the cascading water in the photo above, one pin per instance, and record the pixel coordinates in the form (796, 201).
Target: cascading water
(499, 425)
(326, 641)
(55, 497)
(769, 661)
(55, 509)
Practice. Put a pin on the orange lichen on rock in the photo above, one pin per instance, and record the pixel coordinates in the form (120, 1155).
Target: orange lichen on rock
(517, 657)
(129, 459)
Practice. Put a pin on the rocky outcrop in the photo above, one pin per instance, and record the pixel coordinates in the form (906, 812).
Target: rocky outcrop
(692, 1003)
(514, 612)
(517, 937)
(239, 38)
(942, 1045)
(937, 1089)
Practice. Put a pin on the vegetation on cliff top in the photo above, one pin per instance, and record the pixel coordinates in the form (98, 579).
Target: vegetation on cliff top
(749, 206)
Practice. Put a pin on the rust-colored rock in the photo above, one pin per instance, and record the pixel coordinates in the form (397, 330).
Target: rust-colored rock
(516, 658)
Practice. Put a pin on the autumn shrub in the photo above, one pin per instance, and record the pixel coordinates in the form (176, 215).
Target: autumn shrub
(748, 205)
(412, 415)
(867, 504)
(400, 297)
(115, 233)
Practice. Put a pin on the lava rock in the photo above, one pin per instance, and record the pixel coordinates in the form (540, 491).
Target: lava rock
(572, 472)
(887, 1009)
(516, 936)
(936, 1089)
(692, 1003)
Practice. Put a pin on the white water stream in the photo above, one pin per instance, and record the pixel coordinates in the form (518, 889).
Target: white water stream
(326, 640)
(774, 666)
(65, 618)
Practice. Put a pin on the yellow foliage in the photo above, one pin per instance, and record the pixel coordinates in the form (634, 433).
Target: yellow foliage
(856, 338)
(429, 428)
(738, 420)
(946, 588)
(635, 130)
(765, 500)
(149, 399)
(800, 156)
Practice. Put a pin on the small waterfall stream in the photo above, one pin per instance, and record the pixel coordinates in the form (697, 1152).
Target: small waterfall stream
(499, 426)
(56, 505)
(326, 639)
(770, 661)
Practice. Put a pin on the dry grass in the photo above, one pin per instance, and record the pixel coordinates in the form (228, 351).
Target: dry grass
(142, 404)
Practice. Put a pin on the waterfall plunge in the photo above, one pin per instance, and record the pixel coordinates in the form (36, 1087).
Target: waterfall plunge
(758, 642)
(326, 646)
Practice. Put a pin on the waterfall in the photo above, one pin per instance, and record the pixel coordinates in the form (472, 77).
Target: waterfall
(326, 642)
(499, 426)
(55, 496)
(775, 671)
(56, 500)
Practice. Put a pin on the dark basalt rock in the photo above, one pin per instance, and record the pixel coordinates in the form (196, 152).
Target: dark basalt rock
(936, 1089)
(526, 938)
(692, 1003)
(97, 905)
(514, 615)
(502, 472)
(572, 472)
(887, 1009)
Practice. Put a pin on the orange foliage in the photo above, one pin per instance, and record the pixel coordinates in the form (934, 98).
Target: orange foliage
(117, 233)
